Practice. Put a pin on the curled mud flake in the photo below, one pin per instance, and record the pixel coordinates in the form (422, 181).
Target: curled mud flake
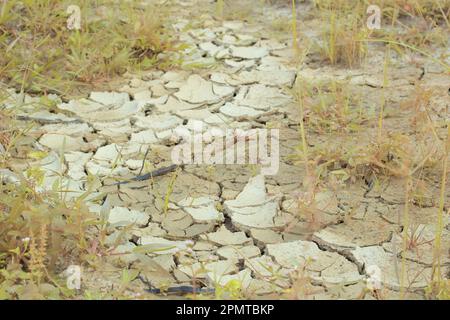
(253, 207)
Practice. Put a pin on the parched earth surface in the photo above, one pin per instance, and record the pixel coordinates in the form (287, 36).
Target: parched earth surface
(272, 233)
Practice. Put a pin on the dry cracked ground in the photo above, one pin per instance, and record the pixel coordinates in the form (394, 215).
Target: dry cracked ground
(273, 234)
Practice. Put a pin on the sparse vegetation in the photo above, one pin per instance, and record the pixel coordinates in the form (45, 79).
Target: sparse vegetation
(40, 235)
(366, 146)
(40, 53)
